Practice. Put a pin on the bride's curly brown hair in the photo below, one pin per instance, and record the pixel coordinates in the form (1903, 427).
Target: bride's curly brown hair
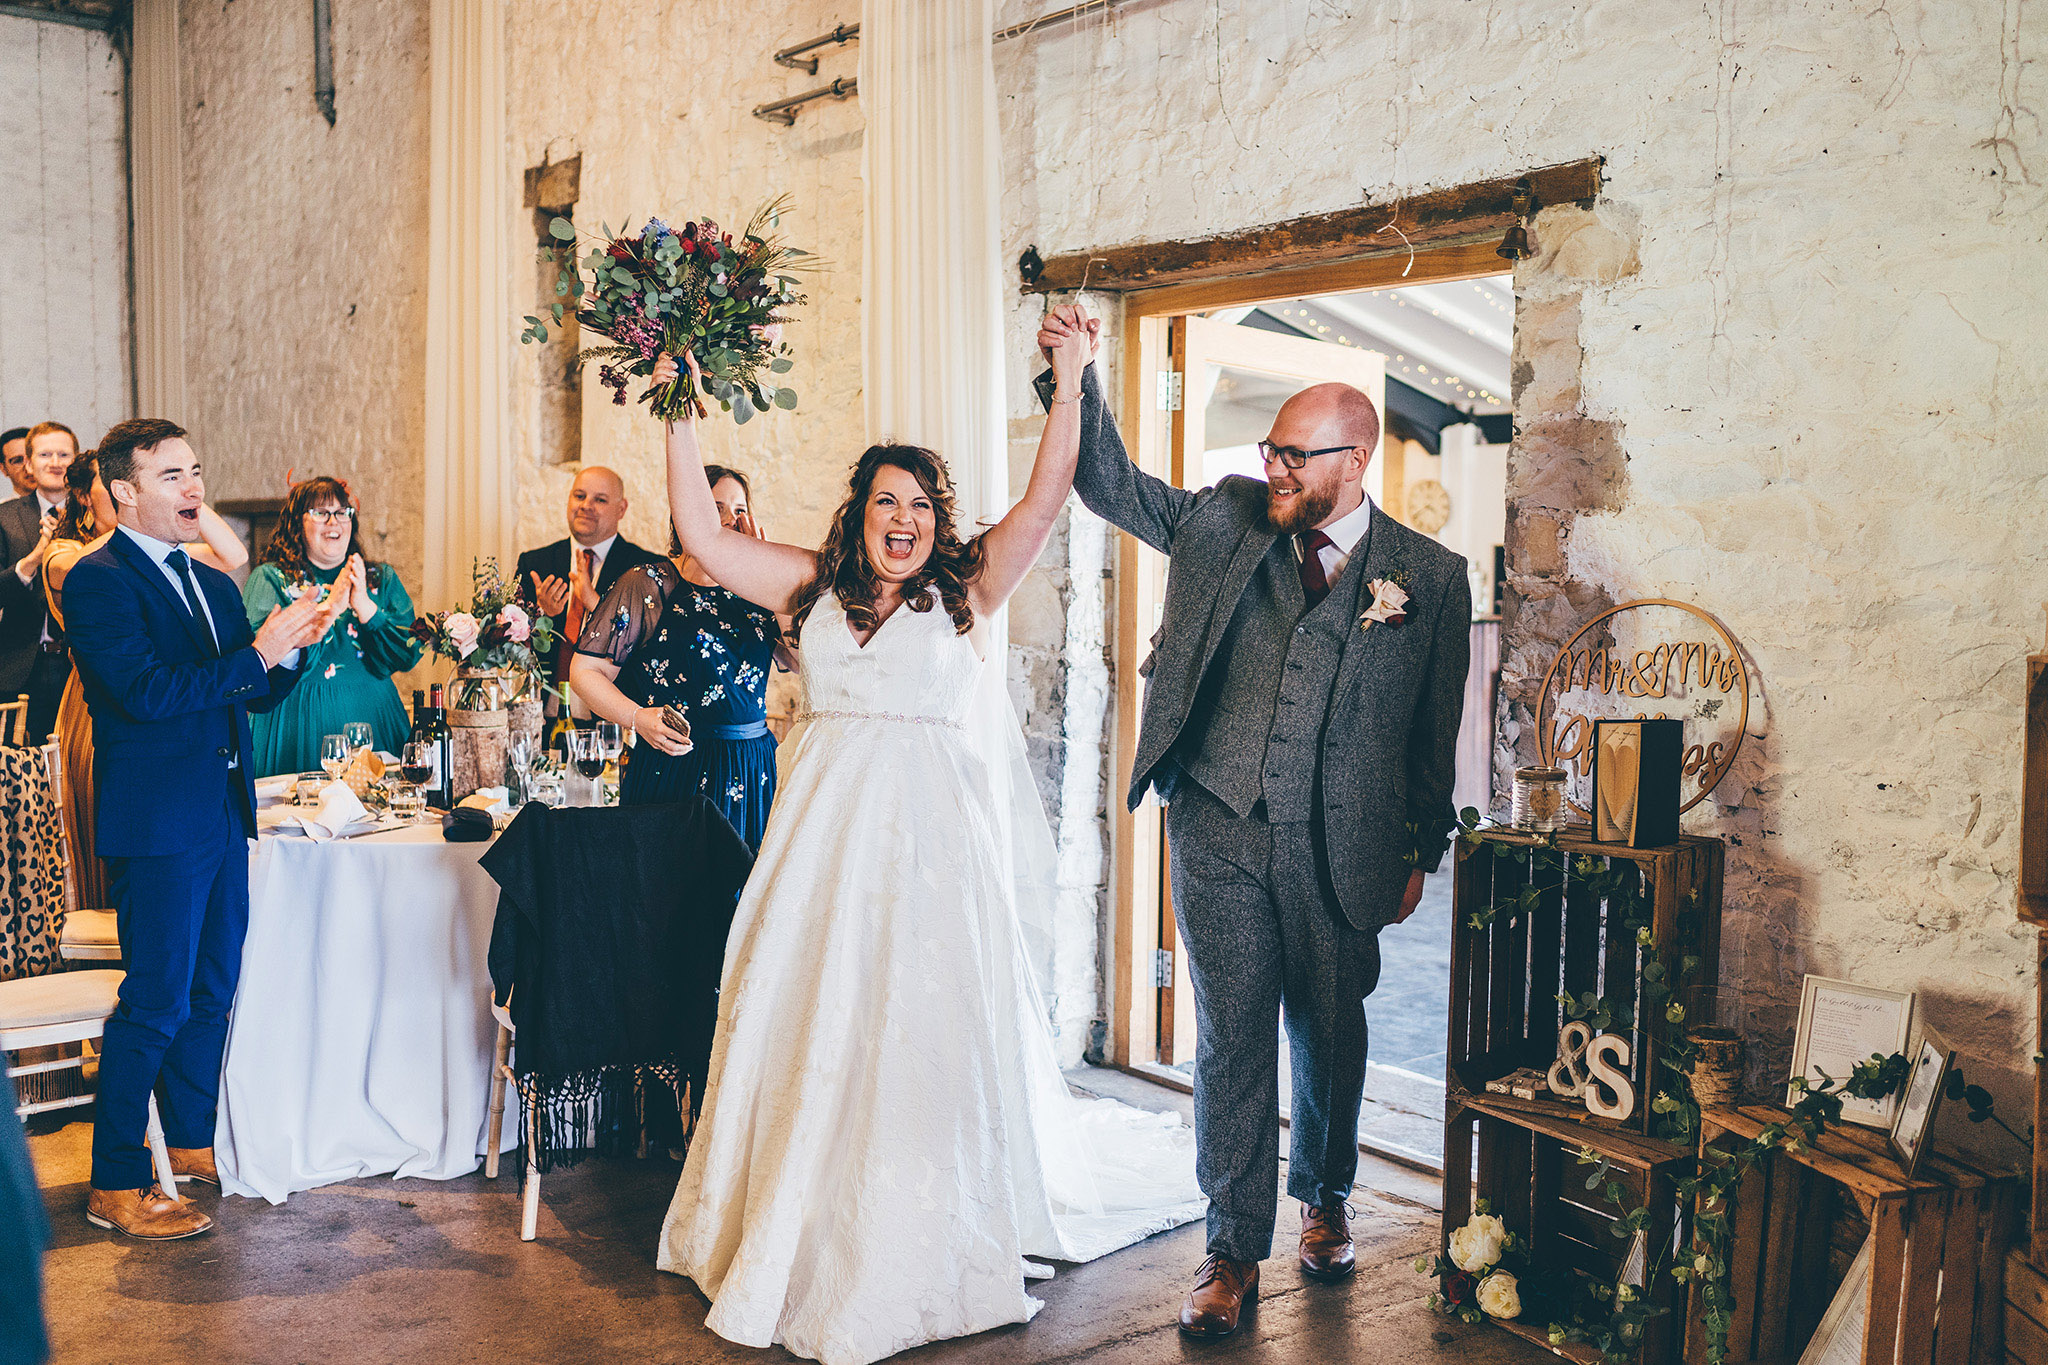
(843, 565)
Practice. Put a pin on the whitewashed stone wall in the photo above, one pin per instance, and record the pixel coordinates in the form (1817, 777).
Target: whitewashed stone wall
(64, 350)
(1803, 374)
(305, 306)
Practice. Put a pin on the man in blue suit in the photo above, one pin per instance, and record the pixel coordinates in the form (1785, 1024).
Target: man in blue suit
(171, 671)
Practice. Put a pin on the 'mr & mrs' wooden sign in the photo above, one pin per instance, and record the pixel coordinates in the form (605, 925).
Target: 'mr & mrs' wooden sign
(1654, 659)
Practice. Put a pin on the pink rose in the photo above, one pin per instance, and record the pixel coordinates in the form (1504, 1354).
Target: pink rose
(462, 632)
(769, 332)
(517, 626)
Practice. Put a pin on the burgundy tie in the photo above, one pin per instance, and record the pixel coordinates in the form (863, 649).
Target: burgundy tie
(1314, 585)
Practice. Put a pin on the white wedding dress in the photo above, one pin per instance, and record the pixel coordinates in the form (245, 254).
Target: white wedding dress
(886, 1134)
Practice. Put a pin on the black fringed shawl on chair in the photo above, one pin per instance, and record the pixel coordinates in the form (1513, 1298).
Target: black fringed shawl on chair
(609, 941)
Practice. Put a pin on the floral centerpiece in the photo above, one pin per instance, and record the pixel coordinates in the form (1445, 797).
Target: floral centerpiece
(495, 633)
(667, 291)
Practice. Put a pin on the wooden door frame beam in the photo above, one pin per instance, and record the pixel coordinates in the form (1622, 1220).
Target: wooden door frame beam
(1433, 218)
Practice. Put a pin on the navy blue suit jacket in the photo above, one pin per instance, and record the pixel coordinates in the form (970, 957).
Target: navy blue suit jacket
(168, 712)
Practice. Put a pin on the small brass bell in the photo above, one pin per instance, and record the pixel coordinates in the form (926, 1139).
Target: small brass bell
(1515, 246)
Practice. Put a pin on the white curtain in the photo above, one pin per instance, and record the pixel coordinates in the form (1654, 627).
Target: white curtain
(156, 121)
(469, 492)
(931, 271)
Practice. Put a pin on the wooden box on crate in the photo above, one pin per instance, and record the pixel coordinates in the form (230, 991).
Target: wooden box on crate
(1937, 1248)
(1573, 937)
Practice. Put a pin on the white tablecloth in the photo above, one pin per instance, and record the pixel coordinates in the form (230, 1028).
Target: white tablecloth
(362, 1036)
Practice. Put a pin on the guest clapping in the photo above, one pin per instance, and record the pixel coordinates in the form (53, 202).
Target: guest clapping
(667, 635)
(32, 655)
(347, 675)
(84, 524)
(568, 577)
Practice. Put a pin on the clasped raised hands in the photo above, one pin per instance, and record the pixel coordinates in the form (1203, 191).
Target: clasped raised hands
(301, 622)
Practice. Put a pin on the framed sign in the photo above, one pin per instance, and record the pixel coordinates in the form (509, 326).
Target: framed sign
(1842, 1024)
(1653, 659)
(1921, 1099)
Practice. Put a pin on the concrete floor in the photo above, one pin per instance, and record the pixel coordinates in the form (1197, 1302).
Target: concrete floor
(380, 1270)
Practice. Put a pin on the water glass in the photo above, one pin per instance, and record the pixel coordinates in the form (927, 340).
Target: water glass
(611, 739)
(335, 752)
(357, 733)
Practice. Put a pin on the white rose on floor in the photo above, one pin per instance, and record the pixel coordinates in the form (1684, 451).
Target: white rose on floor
(1477, 1245)
(1500, 1295)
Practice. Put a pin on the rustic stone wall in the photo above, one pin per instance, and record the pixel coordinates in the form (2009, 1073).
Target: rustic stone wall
(64, 351)
(1782, 369)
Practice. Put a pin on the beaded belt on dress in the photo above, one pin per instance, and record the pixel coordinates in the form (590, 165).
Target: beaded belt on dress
(881, 715)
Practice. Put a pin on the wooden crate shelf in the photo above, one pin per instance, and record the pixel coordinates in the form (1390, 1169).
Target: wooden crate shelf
(1937, 1253)
(1505, 977)
(1527, 1170)
(2026, 1311)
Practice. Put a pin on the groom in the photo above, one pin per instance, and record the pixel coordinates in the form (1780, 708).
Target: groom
(171, 671)
(1301, 714)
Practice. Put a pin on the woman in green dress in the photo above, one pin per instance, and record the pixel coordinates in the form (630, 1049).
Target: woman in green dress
(347, 676)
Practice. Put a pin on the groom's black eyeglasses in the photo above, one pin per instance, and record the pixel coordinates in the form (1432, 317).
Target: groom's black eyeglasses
(1293, 457)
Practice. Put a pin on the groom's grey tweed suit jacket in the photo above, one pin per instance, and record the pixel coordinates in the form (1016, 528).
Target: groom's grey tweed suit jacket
(1384, 703)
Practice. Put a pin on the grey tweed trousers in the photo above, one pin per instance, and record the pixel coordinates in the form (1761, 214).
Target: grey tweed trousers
(1263, 930)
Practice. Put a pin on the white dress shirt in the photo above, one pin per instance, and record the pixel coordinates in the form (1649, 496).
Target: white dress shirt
(1344, 533)
(44, 508)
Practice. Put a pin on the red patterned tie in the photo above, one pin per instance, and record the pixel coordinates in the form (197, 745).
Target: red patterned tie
(1314, 585)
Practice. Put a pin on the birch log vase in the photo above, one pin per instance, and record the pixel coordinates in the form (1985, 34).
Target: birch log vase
(1716, 1066)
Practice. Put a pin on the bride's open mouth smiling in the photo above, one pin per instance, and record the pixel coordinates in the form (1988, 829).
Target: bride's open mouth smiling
(899, 546)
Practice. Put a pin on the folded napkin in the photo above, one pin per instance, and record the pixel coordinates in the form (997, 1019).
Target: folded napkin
(278, 788)
(338, 809)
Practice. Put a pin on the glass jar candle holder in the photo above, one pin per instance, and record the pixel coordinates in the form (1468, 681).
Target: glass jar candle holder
(1539, 800)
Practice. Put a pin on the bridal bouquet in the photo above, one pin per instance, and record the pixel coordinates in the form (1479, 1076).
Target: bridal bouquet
(496, 630)
(668, 291)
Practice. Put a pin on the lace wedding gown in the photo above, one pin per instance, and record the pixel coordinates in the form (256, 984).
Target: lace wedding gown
(886, 1134)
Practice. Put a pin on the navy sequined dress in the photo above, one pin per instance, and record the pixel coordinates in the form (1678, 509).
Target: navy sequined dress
(706, 652)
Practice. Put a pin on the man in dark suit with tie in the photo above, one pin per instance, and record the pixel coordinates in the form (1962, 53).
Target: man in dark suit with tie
(32, 657)
(568, 586)
(171, 671)
(1301, 717)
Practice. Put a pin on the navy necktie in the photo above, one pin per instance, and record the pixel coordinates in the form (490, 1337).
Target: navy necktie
(183, 566)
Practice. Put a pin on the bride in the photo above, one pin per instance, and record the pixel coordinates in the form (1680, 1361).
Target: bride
(886, 1134)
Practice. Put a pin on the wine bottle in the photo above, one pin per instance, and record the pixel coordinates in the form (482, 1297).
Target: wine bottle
(439, 792)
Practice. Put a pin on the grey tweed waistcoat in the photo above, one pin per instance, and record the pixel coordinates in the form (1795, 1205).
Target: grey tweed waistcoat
(1255, 730)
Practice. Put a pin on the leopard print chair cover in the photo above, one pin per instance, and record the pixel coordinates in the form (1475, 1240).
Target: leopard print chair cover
(31, 867)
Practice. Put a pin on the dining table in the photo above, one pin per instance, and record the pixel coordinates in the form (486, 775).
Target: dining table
(361, 1041)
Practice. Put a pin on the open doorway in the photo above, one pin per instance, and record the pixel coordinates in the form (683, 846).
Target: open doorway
(1208, 370)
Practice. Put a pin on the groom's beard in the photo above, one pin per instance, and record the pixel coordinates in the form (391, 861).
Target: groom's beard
(1302, 511)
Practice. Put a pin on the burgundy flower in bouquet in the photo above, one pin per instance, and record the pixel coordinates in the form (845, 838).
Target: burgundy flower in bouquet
(667, 291)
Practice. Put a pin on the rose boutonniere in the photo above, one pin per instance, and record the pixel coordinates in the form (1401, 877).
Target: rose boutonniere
(1389, 602)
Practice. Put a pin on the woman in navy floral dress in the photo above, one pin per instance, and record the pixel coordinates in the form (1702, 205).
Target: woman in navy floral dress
(666, 635)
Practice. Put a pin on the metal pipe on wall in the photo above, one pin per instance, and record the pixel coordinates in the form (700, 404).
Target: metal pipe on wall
(784, 111)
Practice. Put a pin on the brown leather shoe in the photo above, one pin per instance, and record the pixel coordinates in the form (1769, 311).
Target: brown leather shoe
(149, 1214)
(194, 1163)
(1326, 1242)
(1223, 1289)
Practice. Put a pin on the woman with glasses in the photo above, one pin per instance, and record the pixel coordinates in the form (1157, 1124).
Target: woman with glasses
(347, 676)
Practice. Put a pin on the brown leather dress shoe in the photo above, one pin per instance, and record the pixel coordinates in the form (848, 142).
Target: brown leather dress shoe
(194, 1163)
(1326, 1242)
(149, 1214)
(1223, 1289)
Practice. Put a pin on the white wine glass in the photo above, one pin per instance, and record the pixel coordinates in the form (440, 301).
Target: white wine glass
(334, 754)
(358, 734)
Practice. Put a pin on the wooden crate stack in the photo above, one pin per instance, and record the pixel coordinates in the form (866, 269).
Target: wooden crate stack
(1937, 1250)
(1505, 980)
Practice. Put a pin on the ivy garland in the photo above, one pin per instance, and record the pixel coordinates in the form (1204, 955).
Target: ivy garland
(1614, 1321)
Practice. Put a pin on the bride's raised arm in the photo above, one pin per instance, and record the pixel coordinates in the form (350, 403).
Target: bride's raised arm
(764, 572)
(1012, 545)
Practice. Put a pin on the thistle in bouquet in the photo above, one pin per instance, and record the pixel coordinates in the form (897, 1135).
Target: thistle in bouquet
(496, 629)
(696, 289)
